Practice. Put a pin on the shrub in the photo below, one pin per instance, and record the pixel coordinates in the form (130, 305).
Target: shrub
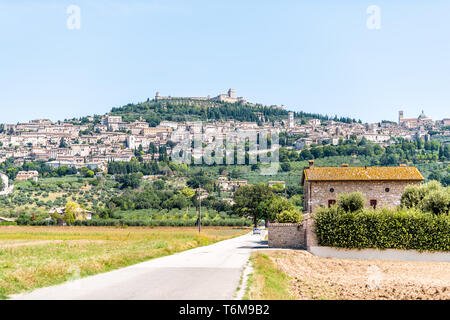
(429, 197)
(276, 205)
(383, 229)
(23, 219)
(351, 202)
(412, 196)
(162, 223)
(437, 202)
(8, 223)
(289, 216)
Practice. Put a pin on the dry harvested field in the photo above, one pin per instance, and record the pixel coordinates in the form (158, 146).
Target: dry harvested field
(311, 277)
(33, 257)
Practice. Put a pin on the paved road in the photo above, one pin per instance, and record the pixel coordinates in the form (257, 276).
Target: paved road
(211, 273)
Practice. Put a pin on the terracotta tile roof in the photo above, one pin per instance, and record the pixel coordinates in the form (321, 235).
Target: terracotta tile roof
(361, 174)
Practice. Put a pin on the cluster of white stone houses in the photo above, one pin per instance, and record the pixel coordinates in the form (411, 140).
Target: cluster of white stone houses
(317, 131)
(63, 143)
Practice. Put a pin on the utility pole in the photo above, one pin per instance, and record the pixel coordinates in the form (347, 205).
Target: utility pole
(200, 215)
(199, 220)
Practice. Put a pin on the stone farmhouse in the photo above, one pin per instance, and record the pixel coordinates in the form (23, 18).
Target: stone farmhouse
(80, 214)
(382, 186)
(226, 185)
(26, 175)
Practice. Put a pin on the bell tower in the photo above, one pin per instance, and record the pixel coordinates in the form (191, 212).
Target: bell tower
(400, 117)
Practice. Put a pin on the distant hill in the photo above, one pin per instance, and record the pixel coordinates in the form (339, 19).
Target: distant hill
(155, 111)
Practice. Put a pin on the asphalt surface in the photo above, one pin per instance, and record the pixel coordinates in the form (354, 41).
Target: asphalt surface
(205, 273)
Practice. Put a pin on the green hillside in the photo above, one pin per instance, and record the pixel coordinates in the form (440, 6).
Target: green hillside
(189, 110)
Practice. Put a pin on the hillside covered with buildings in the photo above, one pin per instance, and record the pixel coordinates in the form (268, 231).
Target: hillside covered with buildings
(156, 125)
(94, 160)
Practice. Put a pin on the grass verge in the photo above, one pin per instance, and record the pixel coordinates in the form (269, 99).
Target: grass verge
(267, 282)
(34, 257)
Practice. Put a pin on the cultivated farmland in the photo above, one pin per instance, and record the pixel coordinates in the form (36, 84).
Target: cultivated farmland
(299, 275)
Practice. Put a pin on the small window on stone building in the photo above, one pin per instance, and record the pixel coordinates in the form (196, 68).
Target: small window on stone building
(332, 190)
(373, 203)
(387, 189)
(331, 203)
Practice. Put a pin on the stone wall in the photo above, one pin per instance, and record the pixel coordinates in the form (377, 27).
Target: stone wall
(303, 236)
(386, 193)
(287, 235)
(310, 232)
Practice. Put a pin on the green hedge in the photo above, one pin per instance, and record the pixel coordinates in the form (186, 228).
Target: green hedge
(8, 223)
(163, 223)
(149, 223)
(383, 229)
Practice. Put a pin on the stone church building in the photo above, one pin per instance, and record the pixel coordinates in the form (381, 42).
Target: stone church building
(382, 186)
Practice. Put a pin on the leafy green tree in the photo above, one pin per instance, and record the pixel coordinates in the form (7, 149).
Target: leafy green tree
(351, 202)
(250, 201)
(12, 172)
(306, 155)
(63, 143)
(297, 201)
(289, 216)
(187, 192)
(278, 187)
(285, 166)
(131, 180)
(199, 182)
(70, 213)
(437, 201)
(428, 197)
(178, 201)
(152, 148)
(236, 173)
(412, 196)
(90, 174)
(276, 205)
(390, 160)
(159, 184)
(446, 181)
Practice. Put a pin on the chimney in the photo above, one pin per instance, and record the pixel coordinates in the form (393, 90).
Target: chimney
(345, 164)
(311, 164)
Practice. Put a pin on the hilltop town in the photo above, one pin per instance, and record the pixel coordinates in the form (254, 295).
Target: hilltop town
(98, 140)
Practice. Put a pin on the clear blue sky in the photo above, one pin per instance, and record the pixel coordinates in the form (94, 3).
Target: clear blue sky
(315, 56)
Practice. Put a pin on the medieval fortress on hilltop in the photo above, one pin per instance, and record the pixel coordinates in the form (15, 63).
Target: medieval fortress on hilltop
(229, 97)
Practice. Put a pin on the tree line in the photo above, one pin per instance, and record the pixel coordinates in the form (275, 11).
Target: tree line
(185, 110)
(416, 151)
